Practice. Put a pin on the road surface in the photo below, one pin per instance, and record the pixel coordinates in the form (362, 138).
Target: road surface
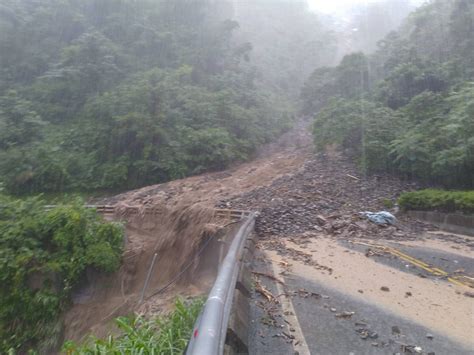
(346, 300)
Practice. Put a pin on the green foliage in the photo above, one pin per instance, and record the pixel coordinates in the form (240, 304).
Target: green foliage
(162, 335)
(115, 95)
(19, 123)
(437, 144)
(350, 79)
(361, 128)
(438, 200)
(417, 118)
(43, 254)
(408, 80)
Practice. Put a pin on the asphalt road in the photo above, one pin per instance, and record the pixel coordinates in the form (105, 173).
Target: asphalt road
(370, 330)
(449, 262)
(327, 334)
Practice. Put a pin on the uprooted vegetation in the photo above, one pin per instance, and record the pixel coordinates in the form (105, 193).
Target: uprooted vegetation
(44, 254)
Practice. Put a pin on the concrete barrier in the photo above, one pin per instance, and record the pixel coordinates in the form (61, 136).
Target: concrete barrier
(451, 222)
(237, 339)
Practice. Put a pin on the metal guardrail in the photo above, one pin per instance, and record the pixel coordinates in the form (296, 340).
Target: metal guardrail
(210, 330)
(110, 210)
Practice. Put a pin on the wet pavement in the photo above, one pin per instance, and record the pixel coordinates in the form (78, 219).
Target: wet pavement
(451, 263)
(327, 321)
(371, 330)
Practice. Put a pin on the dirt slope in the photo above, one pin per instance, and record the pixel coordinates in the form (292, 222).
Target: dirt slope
(183, 223)
(176, 235)
(301, 197)
(283, 157)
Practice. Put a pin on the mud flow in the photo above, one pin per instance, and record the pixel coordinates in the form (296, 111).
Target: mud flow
(188, 240)
(177, 221)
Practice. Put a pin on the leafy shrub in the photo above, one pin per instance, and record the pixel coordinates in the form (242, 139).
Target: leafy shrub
(439, 200)
(162, 335)
(43, 254)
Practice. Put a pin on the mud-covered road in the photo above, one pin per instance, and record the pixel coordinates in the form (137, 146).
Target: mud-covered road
(347, 286)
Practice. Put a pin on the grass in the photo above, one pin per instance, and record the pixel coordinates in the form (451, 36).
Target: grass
(161, 335)
(438, 200)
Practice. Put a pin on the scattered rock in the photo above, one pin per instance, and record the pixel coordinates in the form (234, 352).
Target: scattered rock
(395, 330)
(408, 294)
(364, 334)
(344, 314)
(321, 220)
(318, 198)
(385, 288)
(410, 349)
(469, 294)
(429, 336)
(373, 335)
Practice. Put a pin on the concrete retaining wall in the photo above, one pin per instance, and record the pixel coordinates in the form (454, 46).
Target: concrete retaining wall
(237, 340)
(451, 222)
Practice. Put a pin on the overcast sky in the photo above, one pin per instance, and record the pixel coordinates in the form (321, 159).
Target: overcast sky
(338, 6)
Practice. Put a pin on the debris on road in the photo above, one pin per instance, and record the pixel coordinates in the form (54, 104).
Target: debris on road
(305, 294)
(373, 252)
(269, 276)
(345, 314)
(318, 198)
(469, 294)
(411, 349)
(264, 292)
(395, 330)
(380, 218)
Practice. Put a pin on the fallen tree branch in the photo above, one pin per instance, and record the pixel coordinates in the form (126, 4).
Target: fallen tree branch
(264, 292)
(353, 177)
(269, 276)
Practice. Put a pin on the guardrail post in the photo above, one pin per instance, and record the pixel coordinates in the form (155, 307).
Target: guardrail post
(142, 296)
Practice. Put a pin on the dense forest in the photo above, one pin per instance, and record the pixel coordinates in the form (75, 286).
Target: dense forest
(408, 108)
(109, 95)
(114, 94)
